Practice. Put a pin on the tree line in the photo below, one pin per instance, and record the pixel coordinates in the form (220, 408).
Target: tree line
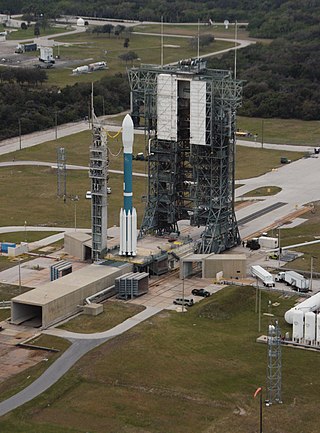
(31, 107)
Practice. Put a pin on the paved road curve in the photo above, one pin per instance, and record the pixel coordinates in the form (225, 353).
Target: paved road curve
(81, 344)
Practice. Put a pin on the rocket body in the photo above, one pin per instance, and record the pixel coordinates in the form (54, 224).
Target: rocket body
(128, 215)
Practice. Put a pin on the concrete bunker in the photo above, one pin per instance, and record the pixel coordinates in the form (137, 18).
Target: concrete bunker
(59, 299)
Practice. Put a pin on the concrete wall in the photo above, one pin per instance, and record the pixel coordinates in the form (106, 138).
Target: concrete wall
(232, 266)
(20, 249)
(61, 298)
(74, 244)
(69, 303)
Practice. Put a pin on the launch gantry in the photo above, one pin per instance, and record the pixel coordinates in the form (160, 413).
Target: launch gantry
(189, 114)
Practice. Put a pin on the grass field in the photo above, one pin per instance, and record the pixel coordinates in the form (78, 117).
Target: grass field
(25, 236)
(308, 231)
(87, 48)
(181, 373)
(262, 192)
(38, 203)
(282, 131)
(268, 159)
(7, 292)
(29, 32)
(114, 312)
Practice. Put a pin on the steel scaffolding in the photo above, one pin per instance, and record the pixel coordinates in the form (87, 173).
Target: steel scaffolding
(274, 380)
(98, 173)
(61, 173)
(187, 180)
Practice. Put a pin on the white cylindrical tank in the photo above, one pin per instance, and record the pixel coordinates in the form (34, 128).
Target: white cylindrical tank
(297, 330)
(81, 70)
(80, 22)
(309, 328)
(310, 304)
(318, 329)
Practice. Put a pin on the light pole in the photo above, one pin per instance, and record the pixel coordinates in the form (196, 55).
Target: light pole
(235, 48)
(279, 248)
(19, 275)
(262, 133)
(259, 391)
(311, 272)
(20, 141)
(182, 288)
(56, 124)
(75, 199)
(25, 231)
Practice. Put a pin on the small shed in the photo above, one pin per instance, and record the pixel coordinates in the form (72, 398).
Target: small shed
(78, 244)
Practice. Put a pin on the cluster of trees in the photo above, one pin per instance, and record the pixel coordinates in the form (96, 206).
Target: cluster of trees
(266, 16)
(36, 108)
(27, 76)
(281, 78)
(109, 29)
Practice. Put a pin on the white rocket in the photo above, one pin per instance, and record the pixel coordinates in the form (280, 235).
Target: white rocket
(128, 214)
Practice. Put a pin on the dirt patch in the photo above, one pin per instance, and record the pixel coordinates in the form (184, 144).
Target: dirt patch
(17, 359)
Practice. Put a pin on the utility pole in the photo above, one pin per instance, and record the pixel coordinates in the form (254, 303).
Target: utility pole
(56, 124)
(19, 275)
(235, 48)
(20, 140)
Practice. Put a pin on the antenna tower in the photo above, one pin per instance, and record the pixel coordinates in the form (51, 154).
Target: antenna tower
(274, 380)
(98, 173)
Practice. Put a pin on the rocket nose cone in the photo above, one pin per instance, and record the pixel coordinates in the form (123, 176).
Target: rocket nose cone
(127, 134)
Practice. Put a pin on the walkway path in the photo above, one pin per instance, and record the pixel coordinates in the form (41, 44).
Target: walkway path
(81, 344)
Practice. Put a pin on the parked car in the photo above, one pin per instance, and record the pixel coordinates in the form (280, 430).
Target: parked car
(88, 195)
(201, 292)
(183, 301)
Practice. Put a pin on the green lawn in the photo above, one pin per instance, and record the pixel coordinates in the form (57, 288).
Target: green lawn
(306, 232)
(181, 373)
(262, 192)
(24, 236)
(268, 160)
(38, 203)
(7, 292)
(282, 131)
(29, 33)
(87, 48)
(114, 312)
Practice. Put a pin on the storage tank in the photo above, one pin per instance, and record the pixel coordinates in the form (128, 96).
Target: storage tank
(297, 330)
(318, 330)
(98, 65)
(310, 304)
(310, 328)
(81, 70)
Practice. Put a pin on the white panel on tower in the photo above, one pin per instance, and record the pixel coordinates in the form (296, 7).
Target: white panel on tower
(198, 112)
(167, 107)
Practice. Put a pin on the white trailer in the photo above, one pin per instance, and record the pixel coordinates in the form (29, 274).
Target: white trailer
(292, 278)
(263, 275)
(268, 242)
(46, 55)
